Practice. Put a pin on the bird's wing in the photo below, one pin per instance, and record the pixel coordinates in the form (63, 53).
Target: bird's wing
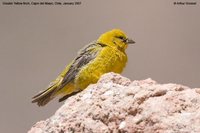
(85, 55)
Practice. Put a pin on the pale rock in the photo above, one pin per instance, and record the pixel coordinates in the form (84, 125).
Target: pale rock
(117, 105)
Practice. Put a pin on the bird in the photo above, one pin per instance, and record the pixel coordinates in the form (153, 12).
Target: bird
(106, 54)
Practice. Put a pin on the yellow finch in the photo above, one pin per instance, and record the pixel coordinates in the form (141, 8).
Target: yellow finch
(107, 54)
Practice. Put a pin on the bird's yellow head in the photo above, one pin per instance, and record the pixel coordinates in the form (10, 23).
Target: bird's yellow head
(116, 39)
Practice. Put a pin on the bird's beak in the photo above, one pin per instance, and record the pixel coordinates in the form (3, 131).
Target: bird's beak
(129, 41)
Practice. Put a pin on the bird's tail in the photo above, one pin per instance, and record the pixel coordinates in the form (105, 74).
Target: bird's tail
(43, 97)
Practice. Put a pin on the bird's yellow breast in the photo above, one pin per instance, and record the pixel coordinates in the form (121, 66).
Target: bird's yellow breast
(108, 60)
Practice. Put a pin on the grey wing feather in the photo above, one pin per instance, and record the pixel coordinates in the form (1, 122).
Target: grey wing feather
(85, 55)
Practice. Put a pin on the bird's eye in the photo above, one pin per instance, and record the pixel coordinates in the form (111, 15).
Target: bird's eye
(121, 37)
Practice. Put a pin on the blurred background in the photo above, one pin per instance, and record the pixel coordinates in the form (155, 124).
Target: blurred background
(37, 42)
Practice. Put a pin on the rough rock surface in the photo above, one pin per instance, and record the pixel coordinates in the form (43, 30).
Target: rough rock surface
(117, 105)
